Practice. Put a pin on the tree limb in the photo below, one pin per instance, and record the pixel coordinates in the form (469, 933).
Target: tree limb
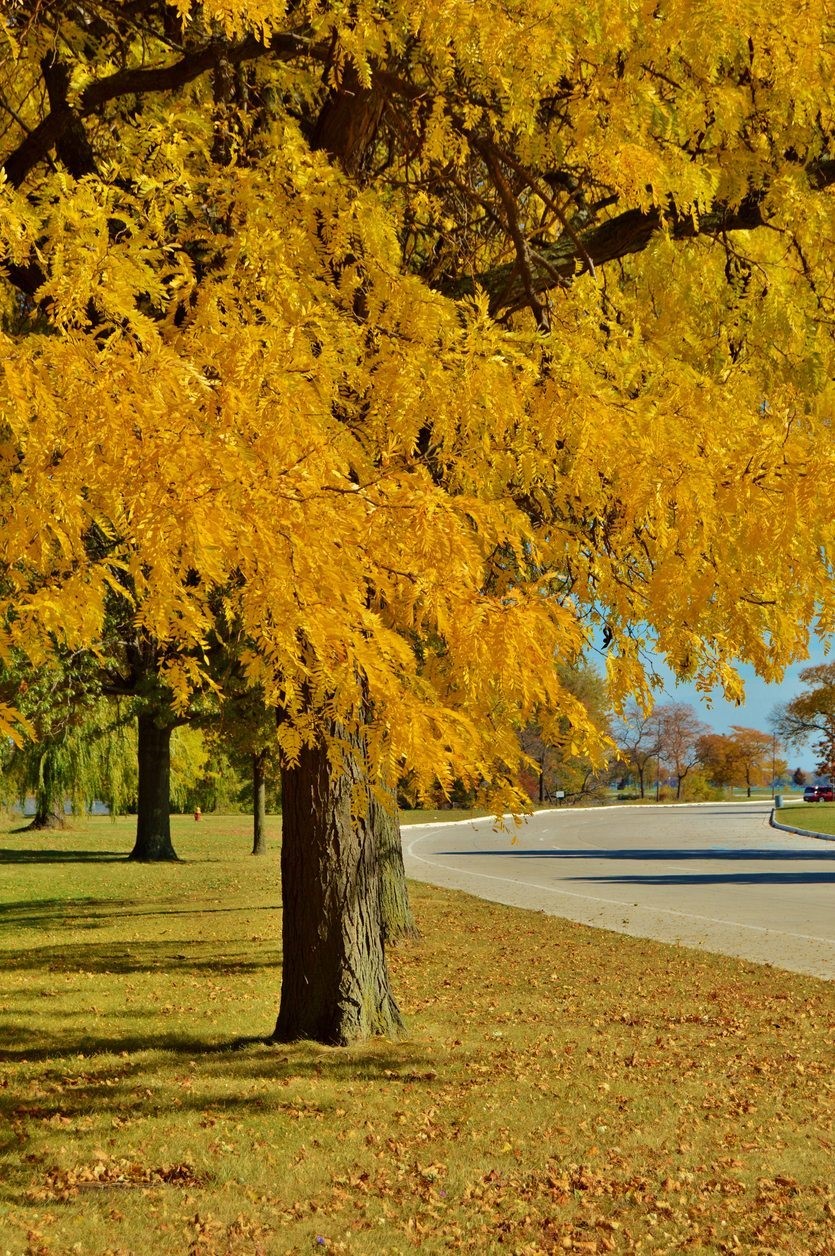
(50, 131)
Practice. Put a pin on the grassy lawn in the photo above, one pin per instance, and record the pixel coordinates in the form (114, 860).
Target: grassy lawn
(818, 817)
(440, 817)
(558, 1089)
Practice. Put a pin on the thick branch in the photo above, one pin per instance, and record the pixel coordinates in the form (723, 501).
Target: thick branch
(49, 132)
(72, 146)
(625, 233)
(629, 232)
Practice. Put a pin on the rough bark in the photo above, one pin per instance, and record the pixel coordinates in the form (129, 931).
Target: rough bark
(259, 808)
(395, 909)
(47, 818)
(348, 122)
(49, 797)
(335, 984)
(153, 820)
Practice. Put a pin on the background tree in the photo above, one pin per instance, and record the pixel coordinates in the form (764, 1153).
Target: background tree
(811, 716)
(636, 734)
(756, 754)
(246, 731)
(473, 311)
(79, 750)
(746, 757)
(679, 731)
(560, 766)
(718, 756)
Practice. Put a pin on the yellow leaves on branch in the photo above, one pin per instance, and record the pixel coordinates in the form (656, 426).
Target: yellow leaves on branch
(242, 399)
(263, 446)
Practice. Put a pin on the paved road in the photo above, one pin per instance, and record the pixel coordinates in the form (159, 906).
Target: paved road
(714, 876)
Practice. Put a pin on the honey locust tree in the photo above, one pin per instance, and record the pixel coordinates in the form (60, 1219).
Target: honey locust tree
(430, 337)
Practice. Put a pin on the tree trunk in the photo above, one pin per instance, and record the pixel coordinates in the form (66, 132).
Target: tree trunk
(49, 797)
(259, 808)
(153, 821)
(47, 817)
(398, 921)
(335, 984)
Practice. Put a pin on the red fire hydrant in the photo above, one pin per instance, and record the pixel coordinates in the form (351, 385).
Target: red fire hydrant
(197, 813)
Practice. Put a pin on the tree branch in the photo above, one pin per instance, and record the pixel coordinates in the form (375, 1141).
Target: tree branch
(522, 268)
(628, 232)
(49, 132)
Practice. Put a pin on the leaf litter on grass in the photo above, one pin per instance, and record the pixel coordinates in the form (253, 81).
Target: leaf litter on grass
(560, 1088)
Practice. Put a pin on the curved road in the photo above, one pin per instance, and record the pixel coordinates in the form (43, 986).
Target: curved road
(714, 876)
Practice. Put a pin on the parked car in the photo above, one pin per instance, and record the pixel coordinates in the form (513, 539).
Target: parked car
(819, 793)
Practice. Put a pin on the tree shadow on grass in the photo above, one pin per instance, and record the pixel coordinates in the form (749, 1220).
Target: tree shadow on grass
(94, 913)
(141, 1077)
(114, 958)
(11, 856)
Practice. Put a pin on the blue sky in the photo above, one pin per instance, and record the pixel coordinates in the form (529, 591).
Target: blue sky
(760, 700)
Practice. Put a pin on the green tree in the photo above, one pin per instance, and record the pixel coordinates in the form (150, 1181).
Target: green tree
(79, 748)
(561, 768)
(246, 731)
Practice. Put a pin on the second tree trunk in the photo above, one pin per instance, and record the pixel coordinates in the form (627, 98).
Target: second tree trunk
(153, 820)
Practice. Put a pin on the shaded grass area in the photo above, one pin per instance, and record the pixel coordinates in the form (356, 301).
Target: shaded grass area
(559, 1088)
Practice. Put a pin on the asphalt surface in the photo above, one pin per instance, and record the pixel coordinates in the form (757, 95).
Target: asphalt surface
(714, 876)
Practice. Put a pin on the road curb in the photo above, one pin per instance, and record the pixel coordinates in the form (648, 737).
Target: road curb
(788, 828)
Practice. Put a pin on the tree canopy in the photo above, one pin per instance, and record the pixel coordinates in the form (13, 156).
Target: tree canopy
(424, 343)
(810, 715)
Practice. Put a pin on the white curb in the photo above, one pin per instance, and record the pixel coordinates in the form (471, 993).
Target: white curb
(788, 828)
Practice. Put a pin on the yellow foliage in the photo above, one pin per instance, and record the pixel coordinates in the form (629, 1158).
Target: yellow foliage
(253, 382)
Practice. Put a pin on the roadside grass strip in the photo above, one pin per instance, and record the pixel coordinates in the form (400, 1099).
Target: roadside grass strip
(558, 1088)
(814, 820)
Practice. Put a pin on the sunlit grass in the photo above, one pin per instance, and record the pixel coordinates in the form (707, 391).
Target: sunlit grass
(558, 1088)
(818, 817)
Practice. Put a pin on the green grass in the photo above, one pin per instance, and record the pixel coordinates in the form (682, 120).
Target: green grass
(818, 817)
(441, 816)
(558, 1088)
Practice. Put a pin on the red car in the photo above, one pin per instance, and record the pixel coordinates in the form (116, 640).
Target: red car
(819, 793)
